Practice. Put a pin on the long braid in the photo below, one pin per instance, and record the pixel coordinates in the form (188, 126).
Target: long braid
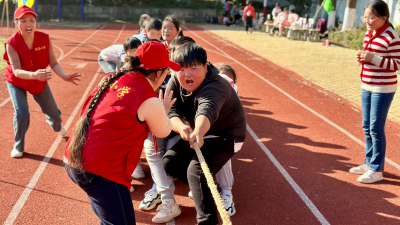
(82, 126)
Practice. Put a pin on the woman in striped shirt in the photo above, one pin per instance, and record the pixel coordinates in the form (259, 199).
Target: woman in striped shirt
(380, 59)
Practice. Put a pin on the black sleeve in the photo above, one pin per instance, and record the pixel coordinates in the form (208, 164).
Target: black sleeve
(173, 85)
(211, 99)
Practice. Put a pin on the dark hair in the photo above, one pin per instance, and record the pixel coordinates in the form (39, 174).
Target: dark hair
(248, 3)
(178, 42)
(230, 69)
(285, 8)
(131, 43)
(380, 9)
(143, 18)
(277, 4)
(154, 23)
(82, 126)
(189, 55)
(292, 10)
(176, 22)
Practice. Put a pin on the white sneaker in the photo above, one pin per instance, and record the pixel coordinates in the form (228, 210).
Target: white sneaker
(138, 173)
(167, 211)
(132, 189)
(151, 198)
(62, 132)
(16, 154)
(190, 194)
(370, 177)
(229, 204)
(360, 170)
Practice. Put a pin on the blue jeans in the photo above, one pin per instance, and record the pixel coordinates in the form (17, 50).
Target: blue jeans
(22, 116)
(164, 182)
(107, 66)
(110, 201)
(375, 108)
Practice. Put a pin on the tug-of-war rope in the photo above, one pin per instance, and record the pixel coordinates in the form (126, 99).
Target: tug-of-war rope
(211, 184)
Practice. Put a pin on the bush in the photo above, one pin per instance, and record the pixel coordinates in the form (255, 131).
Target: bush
(353, 39)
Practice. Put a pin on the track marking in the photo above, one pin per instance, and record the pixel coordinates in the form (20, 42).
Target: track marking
(354, 138)
(79, 65)
(63, 56)
(32, 183)
(116, 39)
(289, 179)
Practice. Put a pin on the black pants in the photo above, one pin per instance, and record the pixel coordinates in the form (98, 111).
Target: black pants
(110, 201)
(181, 162)
(249, 22)
(236, 17)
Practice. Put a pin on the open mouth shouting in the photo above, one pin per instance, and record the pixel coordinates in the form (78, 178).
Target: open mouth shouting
(189, 82)
(28, 30)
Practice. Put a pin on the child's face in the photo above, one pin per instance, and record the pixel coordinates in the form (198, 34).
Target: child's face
(226, 72)
(169, 31)
(131, 52)
(153, 34)
(191, 78)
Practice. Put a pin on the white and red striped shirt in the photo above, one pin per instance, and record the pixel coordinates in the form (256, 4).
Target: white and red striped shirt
(379, 75)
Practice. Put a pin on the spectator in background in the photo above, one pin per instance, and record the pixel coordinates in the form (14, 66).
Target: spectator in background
(142, 24)
(207, 18)
(291, 18)
(108, 58)
(276, 10)
(248, 16)
(280, 19)
(227, 8)
(227, 21)
(235, 12)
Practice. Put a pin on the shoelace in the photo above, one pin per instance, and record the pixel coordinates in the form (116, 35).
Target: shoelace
(149, 193)
(225, 199)
(165, 208)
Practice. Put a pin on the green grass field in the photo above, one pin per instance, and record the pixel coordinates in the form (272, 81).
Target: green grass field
(3, 64)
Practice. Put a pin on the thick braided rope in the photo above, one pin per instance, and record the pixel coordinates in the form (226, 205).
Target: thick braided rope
(211, 184)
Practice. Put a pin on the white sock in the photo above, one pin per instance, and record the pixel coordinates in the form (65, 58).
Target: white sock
(154, 187)
(227, 192)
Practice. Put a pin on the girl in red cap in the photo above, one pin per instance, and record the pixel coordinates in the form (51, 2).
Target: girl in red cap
(115, 121)
(28, 52)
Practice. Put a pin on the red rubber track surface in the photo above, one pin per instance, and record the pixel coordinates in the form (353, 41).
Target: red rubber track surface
(314, 153)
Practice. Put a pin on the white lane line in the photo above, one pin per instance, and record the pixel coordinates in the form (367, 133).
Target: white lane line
(32, 183)
(354, 138)
(289, 179)
(116, 39)
(63, 56)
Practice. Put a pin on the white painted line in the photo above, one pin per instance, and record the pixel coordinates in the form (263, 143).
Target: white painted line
(32, 183)
(289, 179)
(116, 39)
(63, 56)
(354, 138)
(79, 65)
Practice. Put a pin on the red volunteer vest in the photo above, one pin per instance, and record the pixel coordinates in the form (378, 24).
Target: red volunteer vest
(115, 138)
(33, 60)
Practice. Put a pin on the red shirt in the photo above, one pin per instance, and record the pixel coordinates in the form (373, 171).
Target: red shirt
(33, 60)
(115, 138)
(249, 11)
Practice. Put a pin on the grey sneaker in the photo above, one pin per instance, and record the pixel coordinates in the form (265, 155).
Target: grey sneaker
(151, 198)
(229, 204)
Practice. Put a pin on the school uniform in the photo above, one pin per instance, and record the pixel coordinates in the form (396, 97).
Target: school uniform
(218, 101)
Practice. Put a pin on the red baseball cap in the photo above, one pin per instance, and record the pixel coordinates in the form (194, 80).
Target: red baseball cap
(153, 55)
(22, 10)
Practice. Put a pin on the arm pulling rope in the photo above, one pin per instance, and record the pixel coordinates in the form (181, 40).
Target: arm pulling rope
(210, 181)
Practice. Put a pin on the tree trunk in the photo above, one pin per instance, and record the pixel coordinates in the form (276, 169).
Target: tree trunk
(332, 16)
(349, 15)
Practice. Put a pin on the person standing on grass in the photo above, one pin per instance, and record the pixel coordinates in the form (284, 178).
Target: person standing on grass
(380, 60)
(28, 53)
(115, 121)
(248, 16)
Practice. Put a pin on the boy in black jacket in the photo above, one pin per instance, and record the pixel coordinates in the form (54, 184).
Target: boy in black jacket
(217, 124)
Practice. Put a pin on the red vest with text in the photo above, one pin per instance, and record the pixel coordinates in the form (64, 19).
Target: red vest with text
(33, 60)
(114, 141)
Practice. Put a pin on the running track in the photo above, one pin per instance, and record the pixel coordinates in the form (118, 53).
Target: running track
(291, 170)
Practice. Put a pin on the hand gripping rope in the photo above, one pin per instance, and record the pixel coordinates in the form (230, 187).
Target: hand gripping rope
(211, 184)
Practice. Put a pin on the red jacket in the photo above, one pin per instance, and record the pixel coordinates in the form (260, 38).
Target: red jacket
(251, 11)
(33, 60)
(115, 138)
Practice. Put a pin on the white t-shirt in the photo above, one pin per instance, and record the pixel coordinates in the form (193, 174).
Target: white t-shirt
(110, 53)
(234, 86)
(276, 11)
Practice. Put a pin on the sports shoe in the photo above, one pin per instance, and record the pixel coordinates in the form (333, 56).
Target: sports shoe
(360, 170)
(229, 205)
(16, 154)
(167, 211)
(370, 177)
(62, 132)
(138, 173)
(151, 198)
(132, 189)
(251, 30)
(190, 194)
